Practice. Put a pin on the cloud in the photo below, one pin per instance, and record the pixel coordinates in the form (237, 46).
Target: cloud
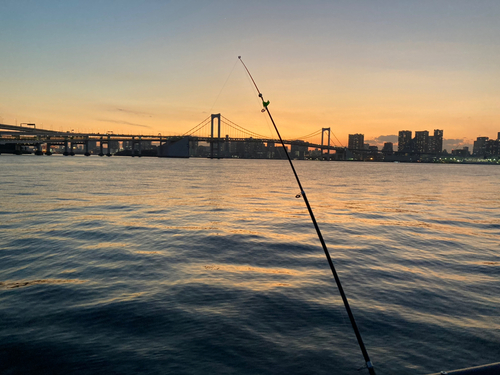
(453, 144)
(132, 112)
(125, 123)
(381, 139)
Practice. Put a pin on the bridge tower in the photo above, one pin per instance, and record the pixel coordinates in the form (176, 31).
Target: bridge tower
(212, 141)
(323, 130)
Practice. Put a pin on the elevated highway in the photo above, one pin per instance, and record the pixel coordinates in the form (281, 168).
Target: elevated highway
(43, 139)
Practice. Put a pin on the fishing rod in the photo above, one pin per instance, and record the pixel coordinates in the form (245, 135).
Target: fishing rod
(265, 108)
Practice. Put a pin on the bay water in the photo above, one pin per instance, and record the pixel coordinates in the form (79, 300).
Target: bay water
(193, 266)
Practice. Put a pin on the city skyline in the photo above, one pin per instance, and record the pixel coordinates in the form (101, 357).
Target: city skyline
(160, 67)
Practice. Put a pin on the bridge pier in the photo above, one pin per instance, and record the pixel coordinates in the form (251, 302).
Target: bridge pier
(139, 147)
(39, 149)
(66, 152)
(87, 153)
(109, 147)
(101, 153)
(226, 147)
(237, 142)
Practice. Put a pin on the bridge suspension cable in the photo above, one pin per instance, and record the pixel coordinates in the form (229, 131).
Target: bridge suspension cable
(242, 129)
(234, 130)
(337, 139)
(197, 127)
(317, 132)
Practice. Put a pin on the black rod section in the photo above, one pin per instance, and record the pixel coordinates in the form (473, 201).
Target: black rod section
(369, 365)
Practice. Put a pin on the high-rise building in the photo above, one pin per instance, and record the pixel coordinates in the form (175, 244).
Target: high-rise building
(422, 141)
(388, 148)
(356, 141)
(404, 140)
(436, 142)
(492, 147)
(480, 146)
(461, 152)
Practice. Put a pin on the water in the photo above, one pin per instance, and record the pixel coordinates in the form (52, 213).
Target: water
(172, 266)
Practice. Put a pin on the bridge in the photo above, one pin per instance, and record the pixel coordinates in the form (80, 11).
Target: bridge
(214, 137)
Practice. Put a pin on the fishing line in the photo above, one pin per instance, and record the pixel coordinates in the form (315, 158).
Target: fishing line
(265, 105)
(224, 85)
(252, 82)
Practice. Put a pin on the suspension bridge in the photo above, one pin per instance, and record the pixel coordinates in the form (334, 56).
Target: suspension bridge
(214, 137)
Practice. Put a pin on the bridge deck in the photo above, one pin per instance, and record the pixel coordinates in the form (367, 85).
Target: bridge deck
(36, 136)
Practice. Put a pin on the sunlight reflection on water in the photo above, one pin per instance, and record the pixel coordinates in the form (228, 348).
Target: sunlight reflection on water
(187, 266)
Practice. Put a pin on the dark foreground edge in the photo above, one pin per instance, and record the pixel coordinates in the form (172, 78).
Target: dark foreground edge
(491, 369)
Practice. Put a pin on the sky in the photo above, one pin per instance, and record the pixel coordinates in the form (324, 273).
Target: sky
(155, 66)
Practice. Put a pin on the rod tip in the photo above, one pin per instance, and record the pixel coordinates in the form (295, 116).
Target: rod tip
(239, 57)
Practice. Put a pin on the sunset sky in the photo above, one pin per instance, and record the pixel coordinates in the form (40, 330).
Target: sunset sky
(149, 67)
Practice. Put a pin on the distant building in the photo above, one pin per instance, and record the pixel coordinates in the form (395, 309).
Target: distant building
(404, 140)
(113, 147)
(480, 146)
(298, 150)
(388, 148)
(374, 154)
(178, 148)
(461, 152)
(436, 142)
(422, 141)
(491, 148)
(356, 142)
(315, 154)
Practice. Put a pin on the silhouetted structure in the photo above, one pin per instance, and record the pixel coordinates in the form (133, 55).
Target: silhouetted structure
(421, 142)
(388, 148)
(175, 148)
(479, 148)
(356, 142)
(436, 142)
(356, 145)
(492, 148)
(404, 140)
(462, 152)
(327, 130)
(298, 151)
(485, 147)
